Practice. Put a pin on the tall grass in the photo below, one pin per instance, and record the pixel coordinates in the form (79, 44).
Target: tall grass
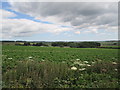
(35, 74)
(48, 74)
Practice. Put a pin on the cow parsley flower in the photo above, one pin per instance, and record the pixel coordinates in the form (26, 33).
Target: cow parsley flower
(9, 58)
(114, 63)
(73, 68)
(42, 60)
(82, 64)
(82, 69)
(116, 69)
(88, 65)
(30, 57)
(77, 59)
(85, 61)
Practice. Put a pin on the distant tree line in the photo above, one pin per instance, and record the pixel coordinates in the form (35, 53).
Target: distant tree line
(77, 44)
(39, 44)
(31, 44)
(65, 44)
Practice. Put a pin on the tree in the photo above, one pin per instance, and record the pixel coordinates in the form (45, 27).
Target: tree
(73, 45)
(39, 44)
(88, 45)
(26, 43)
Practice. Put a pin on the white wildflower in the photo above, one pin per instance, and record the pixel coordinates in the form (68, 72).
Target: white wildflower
(9, 58)
(85, 61)
(30, 57)
(82, 69)
(93, 62)
(42, 60)
(88, 65)
(116, 69)
(73, 68)
(114, 63)
(77, 59)
(82, 64)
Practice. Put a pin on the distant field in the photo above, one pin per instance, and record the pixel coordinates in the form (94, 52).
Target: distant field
(110, 46)
(25, 66)
(58, 54)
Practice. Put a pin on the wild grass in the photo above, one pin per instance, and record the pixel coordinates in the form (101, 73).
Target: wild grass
(48, 74)
(35, 74)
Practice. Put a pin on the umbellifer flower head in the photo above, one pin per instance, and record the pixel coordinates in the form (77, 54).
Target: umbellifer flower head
(82, 69)
(77, 59)
(116, 69)
(85, 61)
(114, 63)
(9, 58)
(73, 68)
(88, 65)
(30, 57)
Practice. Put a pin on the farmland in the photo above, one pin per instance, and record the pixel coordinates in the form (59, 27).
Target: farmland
(39, 67)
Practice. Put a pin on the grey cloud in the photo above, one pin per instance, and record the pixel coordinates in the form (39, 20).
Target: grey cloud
(109, 18)
(83, 14)
(69, 11)
(24, 27)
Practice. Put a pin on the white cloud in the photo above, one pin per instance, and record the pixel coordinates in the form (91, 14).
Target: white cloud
(87, 17)
(6, 14)
(91, 31)
(23, 27)
(77, 32)
(74, 14)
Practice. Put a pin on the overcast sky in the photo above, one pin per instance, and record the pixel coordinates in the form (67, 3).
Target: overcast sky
(80, 21)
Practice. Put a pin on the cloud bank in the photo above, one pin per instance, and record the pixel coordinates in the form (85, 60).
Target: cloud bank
(24, 27)
(80, 17)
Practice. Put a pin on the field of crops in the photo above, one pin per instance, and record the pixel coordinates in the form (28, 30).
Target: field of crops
(32, 66)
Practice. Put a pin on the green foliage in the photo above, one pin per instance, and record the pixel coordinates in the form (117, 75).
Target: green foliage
(88, 45)
(34, 74)
(46, 74)
(77, 44)
(26, 43)
(38, 44)
(61, 54)
(59, 44)
(33, 67)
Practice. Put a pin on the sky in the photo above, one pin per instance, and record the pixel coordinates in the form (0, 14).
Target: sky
(59, 21)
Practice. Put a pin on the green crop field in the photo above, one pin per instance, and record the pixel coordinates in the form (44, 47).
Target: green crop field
(39, 67)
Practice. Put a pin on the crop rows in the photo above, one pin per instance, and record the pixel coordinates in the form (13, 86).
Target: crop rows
(58, 54)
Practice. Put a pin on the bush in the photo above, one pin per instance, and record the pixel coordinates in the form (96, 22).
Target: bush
(26, 43)
(88, 45)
